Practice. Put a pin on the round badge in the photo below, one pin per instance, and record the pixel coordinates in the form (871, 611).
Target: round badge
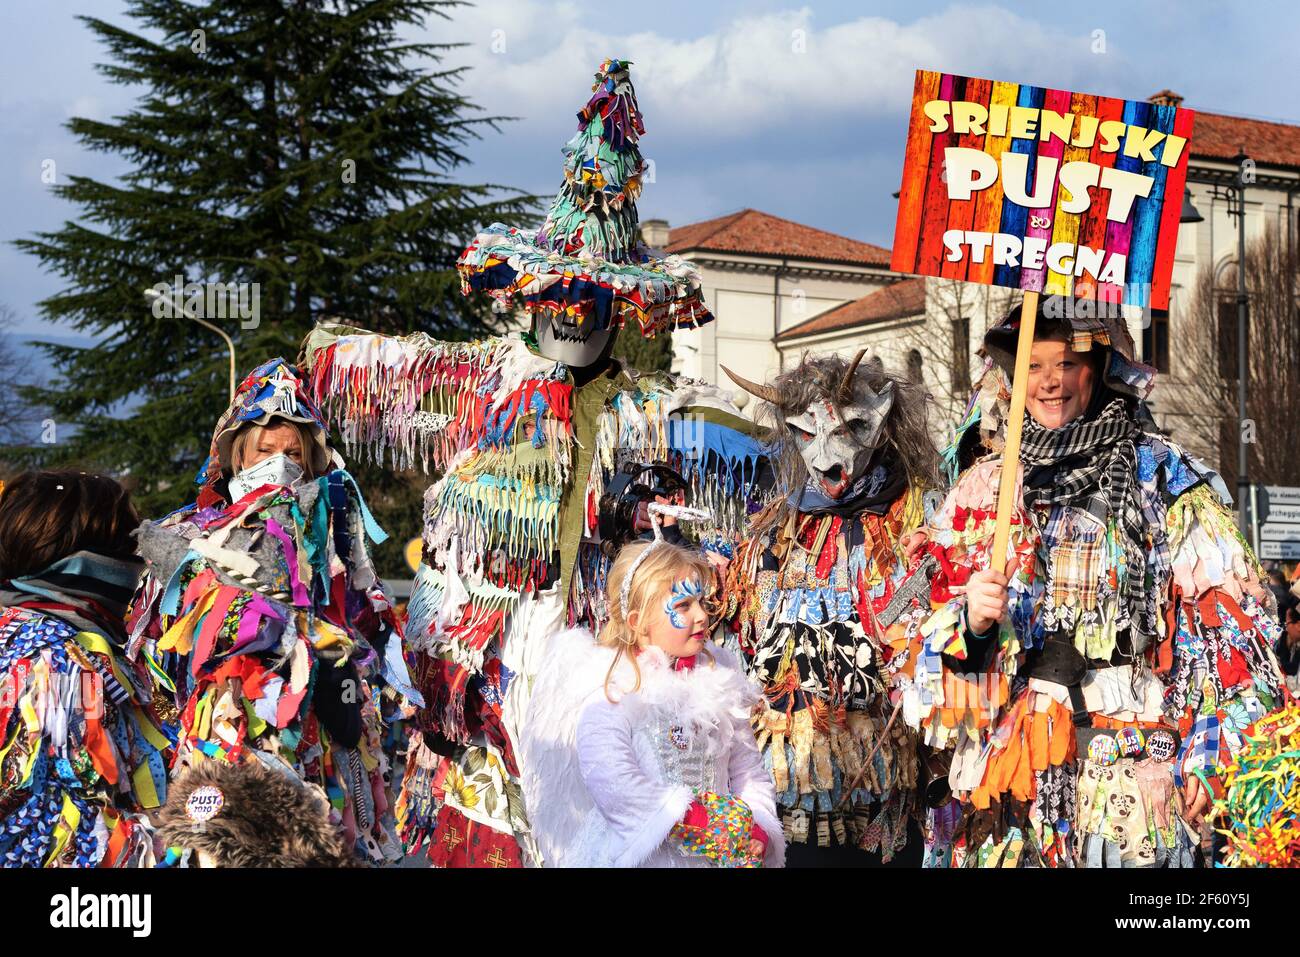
(1161, 744)
(204, 803)
(1103, 750)
(1129, 741)
(677, 735)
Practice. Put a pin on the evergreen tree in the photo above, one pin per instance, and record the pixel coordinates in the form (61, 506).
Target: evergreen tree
(642, 354)
(295, 144)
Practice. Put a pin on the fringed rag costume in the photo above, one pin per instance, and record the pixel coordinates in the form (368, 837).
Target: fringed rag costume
(265, 620)
(1136, 652)
(83, 740)
(816, 605)
(526, 448)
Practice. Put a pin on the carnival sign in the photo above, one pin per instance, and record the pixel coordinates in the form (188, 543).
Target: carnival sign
(1042, 190)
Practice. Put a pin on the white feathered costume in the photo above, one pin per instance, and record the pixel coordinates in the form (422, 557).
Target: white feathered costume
(605, 782)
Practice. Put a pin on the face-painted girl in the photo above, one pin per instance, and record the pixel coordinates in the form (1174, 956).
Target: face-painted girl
(678, 623)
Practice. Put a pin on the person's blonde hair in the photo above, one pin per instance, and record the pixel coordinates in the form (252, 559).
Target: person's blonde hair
(252, 432)
(654, 577)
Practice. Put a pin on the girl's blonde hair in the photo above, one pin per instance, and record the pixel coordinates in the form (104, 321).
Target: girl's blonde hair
(249, 435)
(654, 577)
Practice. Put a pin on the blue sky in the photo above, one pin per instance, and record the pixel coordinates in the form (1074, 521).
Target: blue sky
(795, 109)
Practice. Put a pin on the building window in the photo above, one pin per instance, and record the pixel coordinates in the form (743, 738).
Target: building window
(961, 385)
(914, 371)
(1227, 316)
(1155, 341)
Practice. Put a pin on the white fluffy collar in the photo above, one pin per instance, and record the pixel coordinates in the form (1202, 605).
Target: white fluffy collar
(709, 696)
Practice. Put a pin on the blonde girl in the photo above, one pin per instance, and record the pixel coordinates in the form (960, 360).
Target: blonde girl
(638, 741)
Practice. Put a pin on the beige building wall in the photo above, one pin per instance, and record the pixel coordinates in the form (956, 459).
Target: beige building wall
(1212, 243)
(751, 302)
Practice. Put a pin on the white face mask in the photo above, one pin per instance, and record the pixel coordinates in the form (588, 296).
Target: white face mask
(279, 469)
(837, 444)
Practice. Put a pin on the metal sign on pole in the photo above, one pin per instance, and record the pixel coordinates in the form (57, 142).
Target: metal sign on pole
(1276, 510)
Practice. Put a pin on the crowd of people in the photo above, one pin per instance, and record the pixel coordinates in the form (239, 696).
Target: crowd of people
(646, 630)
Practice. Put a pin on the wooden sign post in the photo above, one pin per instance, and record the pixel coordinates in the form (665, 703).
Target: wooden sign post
(1015, 424)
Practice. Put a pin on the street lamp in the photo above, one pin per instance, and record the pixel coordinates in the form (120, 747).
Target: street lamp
(153, 295)
(1234, 195)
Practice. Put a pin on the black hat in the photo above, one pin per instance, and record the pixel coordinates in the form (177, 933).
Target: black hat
(1087, 324)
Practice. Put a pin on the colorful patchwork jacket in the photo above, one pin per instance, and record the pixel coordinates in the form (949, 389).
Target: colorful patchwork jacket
(265, 620)
(82, 748)
(815, 605)
(1159, 711)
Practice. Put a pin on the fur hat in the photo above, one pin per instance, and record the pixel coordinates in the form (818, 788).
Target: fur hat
(250, 815)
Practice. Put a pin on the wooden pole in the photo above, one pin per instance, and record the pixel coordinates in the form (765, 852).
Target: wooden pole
(1015, 423)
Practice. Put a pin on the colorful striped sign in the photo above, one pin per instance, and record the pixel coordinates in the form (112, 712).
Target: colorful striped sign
(1038, 189)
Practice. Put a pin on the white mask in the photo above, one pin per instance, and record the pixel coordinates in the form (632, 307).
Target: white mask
(836, 444)
(279, 469)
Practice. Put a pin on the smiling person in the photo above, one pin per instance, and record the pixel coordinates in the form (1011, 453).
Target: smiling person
(1089, 695)
(265, 620)
(813, 602)
(637, 750)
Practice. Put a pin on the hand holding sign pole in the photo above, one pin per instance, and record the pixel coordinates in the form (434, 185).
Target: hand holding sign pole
(1045, 191)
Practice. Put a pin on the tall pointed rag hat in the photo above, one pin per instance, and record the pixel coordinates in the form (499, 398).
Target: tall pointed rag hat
(586, 262)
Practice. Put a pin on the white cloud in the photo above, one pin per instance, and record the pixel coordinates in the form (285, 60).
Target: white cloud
(88, 107)
(756, 73)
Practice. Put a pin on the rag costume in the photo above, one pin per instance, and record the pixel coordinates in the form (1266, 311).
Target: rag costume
(814, 600)
(1136, 651)
(262, 616)
(653, 777)
(1258, 813)
(525, 445)
(82, 738)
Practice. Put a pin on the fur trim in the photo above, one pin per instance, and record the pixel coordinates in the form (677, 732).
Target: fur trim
(573, 675)
(656, 828)
(267, 819)
(710, 697)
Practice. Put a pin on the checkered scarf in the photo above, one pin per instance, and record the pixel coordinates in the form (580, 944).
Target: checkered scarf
(1096, 462)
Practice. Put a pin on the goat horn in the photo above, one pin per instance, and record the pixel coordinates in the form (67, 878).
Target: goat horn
(766, 392)
(846, 386)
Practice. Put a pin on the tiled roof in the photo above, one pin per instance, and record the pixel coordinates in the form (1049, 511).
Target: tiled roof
(761, 234)
(1220, 137)
(906, 298)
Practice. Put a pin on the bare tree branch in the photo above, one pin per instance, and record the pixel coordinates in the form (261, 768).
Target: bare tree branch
(1203, 397)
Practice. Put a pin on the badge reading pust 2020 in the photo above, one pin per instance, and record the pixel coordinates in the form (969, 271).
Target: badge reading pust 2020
(204, 803)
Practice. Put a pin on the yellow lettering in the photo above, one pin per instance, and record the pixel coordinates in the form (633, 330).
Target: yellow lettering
(1024, 122)
(1111, 131)
(1140, 142)
(1173, 149)
(969, 117)
(937, 111)
(1056, 124)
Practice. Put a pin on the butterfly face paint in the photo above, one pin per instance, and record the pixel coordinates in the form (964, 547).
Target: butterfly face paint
(682, 592)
